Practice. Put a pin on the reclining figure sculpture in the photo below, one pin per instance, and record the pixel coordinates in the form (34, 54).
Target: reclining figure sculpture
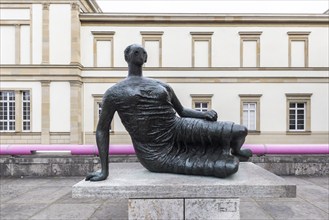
(192, 143)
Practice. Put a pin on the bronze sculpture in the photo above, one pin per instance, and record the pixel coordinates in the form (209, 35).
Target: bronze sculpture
(194, 143)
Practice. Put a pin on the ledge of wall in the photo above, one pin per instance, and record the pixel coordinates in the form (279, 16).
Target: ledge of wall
(18, 166)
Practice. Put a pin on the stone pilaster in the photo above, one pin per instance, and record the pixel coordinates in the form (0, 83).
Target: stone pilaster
(17, 44)
(76, 112)
(45, 112)
(45, 33)
(75, 34)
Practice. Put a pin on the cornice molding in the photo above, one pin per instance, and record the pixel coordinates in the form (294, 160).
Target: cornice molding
(250, 95)
(151, 32)
(206, 18)
(77, 80)
(197, 33)
(43, 66)
(82, 68)
(101, 33)
(250, 33)
(303, 33)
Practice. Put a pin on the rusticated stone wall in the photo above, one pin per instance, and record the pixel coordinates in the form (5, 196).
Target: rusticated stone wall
(36, 165)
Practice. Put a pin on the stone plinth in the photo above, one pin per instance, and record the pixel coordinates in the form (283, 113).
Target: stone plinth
(173, 196)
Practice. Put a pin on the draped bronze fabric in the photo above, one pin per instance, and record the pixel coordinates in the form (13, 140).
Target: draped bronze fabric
(163, 141)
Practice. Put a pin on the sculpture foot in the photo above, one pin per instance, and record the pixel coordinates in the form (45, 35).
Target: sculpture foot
(226, 166)
(96, 176)
(243, 154)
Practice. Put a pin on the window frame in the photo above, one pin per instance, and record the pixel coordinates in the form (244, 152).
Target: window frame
(299, 98)
(103, 36)
(298, 36)
(22, 109)
(19, 110)
(251, 98)
(204, 98)
(153, 36)
(250, 36)
(17, 23)
(202, 36)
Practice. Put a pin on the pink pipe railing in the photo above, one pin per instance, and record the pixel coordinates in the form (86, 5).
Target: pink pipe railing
(258, 149)
(74, 149)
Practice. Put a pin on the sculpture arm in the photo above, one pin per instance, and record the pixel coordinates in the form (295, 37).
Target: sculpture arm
(103, 139)
(190, 113)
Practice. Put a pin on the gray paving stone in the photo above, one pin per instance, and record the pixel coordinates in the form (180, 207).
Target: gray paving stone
(67, 212)
(28, 181)
(313, 193)
(4, 181)
(8, 192)
(19, 211)
(293, 210)
(324, 206)
(42, 195)
(112, 209)
(252, 211)
(324, 186)
(62, 181)
(67, 199)
(317, 180)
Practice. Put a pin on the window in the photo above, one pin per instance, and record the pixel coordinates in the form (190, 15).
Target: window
(15, 44)
(152, 42)
(249, 115)
(103, 48)
(298, 49)
(7, 111)
(298, 112)
(15, 34)
(98, 109)
(15, 110)
(250, 111)
(201, 102)
(26, 100)
(201, 106)
(201, 49)
(250, 48)
(297, 116)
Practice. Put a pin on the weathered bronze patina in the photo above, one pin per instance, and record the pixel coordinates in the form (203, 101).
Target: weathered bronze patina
(192, 143)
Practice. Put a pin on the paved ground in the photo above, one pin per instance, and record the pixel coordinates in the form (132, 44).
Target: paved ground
(50, 198)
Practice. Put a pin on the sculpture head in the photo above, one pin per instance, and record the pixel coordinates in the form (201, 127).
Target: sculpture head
(135, 54)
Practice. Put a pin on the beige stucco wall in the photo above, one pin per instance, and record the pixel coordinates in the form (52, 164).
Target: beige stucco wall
(36, 33)
(60, 110)
(60, 33)
(177, 44)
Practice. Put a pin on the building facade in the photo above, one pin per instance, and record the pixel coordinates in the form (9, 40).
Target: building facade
(266, 71)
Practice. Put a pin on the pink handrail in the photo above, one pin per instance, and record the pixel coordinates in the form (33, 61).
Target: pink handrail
(126, 149)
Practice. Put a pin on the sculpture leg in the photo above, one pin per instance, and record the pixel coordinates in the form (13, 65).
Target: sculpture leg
(225, 166)
(210, 164)
(239, 135)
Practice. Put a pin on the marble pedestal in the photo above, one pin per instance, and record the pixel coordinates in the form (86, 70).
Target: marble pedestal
(173, 196)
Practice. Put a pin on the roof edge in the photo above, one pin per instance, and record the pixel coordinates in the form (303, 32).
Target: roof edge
(202, 18)
(91, 6)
